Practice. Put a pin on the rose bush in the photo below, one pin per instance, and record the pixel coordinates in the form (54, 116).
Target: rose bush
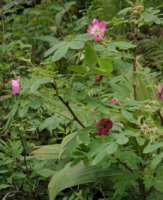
(88, 114)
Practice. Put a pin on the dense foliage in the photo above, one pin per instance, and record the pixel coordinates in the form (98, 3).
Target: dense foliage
(81, 100)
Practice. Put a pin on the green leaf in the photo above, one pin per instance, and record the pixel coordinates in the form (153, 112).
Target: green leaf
(96, 70)
(3, 171)
(84, 37)
(47, 152)
(71, 176)
(83, 137)
(23, 111)
(105, 64)
(152, 147)
(90, 56)
(130, 158)
(140, 140)
(111, 148)
(68, 5)
(124, 45)
(50, 123)
(38, 83)
(75, 44)
(24, 143)
(128, 116)
(69, 142)
(3, 186)
(156, 161)
(54, 48)
(11, 114)
(60, 53)
(99, 157)
(45, 172)
(79, 69)
(122, 139)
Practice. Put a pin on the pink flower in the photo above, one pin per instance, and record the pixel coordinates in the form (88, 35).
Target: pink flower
(113, 101)
(99, 77)
(97, 29)
(104, 125)
(159, 92)
(15, 86)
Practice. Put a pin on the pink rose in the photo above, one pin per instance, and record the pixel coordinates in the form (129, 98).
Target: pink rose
(104, 125)
(15, 86)
(97, 29)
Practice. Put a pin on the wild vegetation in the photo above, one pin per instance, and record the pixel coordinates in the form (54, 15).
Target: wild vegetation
(81, 100)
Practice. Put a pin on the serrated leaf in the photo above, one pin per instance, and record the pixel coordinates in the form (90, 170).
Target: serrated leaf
(99, 157)
(79, 69)
(124, 45)
(122, 139)
(45, 172)
(54, 48)
(38, 83)
(60, 53)
(128, 116)
(50, 123)
(140, 141)
(156, 161)
(90, 56)
(111, 148)
(105, 64)
(84, 37)
(75, 44)
(152, 147)
(23, 111)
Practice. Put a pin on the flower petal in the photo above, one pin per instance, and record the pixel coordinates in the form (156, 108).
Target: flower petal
(95, 22)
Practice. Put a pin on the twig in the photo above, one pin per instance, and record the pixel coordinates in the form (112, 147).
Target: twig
(134, 70)
(66, 103)
(161, 117)
(24, 154)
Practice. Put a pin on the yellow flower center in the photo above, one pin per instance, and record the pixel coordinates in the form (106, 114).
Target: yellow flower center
(97, 31)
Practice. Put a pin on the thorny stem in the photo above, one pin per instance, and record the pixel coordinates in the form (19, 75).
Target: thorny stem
(141, 184)
(136, 30)
(21, 139)
(24, 149)
(134, 76)
(67, 106)
(24, 153)
(161, 117)
(142, 189)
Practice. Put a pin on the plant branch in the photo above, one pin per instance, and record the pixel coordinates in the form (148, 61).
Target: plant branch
(67, 106)
(134, 71)
(142, 189)
(125, 165)
(161, 117)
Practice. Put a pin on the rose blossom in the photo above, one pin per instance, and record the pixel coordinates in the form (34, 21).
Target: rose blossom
(104, 125)
(97, 29)
(15, 86)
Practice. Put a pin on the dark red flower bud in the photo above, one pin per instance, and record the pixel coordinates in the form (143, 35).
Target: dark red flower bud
(99, 77)
(113, 101)
(159, 91)
(104, 125)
